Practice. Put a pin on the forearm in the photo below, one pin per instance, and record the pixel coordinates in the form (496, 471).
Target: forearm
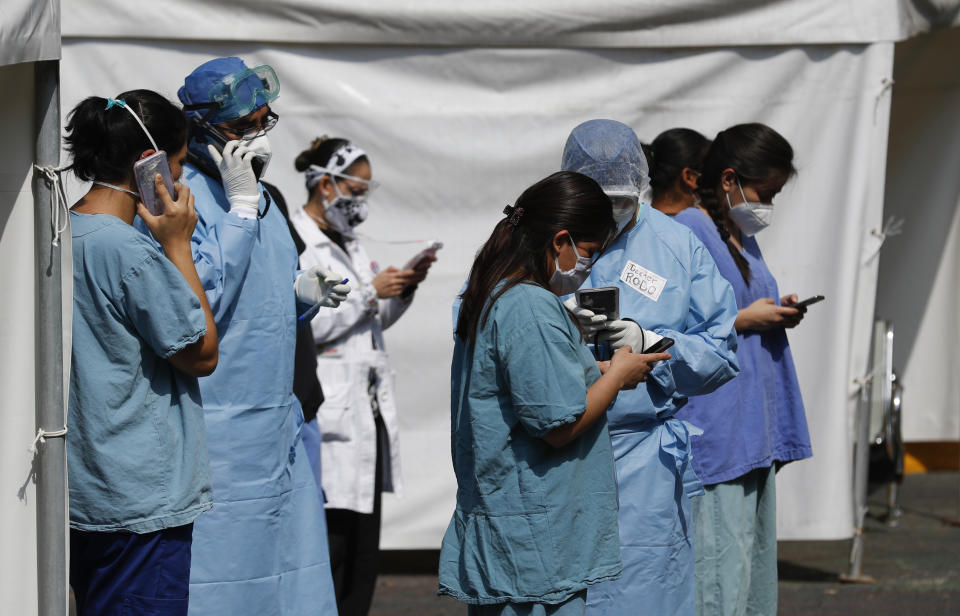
(600, 396)
(182, 259)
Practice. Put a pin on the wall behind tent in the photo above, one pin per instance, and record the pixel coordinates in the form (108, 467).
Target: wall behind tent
(919, 283)
(18, 558)
(454, 134)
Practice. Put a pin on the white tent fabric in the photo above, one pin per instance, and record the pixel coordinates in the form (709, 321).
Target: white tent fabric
(18, 558)
(454, 134)
(508, 23)
(919, 284)
(29, 31)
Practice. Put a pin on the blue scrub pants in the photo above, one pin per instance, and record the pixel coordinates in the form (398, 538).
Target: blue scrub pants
(120, 574)
(735, 546)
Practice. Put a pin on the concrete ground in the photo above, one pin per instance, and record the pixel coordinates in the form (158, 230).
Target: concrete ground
(915, 564)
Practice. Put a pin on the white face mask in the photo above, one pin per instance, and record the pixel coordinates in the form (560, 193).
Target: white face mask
(345, 212)
(750, 216)
(260, 145)
(566, 282)
(625, 206)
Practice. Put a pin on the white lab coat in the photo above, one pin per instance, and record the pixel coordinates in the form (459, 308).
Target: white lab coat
(349, 342)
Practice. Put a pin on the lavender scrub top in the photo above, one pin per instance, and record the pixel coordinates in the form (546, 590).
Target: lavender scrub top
(757, 418)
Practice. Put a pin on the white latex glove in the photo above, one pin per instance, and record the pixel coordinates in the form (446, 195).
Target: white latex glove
(589, 320)
(622, 333)
(320, 286)
(239, 181)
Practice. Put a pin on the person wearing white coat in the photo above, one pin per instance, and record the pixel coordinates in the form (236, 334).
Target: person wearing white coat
(357, 421)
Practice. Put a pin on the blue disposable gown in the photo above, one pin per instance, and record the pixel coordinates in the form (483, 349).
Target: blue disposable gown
(262, 549)
(668, 283)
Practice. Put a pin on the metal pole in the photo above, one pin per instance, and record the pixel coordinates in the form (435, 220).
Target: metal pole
(51, 457)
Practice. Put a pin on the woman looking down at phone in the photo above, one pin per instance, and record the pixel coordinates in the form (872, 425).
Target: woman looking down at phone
(755, 423)
(143, 332)
(536, 517)
(358, 419)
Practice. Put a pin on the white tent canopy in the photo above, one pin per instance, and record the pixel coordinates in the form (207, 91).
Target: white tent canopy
(462, 106)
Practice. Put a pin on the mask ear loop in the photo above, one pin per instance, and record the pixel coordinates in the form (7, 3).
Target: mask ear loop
(119, 102)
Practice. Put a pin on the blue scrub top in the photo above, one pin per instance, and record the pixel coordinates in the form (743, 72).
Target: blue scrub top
(136, 444)
(758, 418)
(533, 523)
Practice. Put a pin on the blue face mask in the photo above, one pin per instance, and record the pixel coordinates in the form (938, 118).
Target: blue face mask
(565, 282)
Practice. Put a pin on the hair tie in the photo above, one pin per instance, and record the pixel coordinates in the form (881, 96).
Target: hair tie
(514, 214)
(116, 102)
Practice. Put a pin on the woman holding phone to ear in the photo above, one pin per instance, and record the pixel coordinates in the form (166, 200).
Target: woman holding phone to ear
(143, 332)
(536, 517)
(755, 423)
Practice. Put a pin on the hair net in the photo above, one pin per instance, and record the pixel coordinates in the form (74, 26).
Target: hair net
(237, 90)
(609, 152)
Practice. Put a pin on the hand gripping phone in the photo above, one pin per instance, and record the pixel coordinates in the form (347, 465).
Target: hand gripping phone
(659, 346)
(601, 300)
(420, 257)
(807, 302)
(144, 170)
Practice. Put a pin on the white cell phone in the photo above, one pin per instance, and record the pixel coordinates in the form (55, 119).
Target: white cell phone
(420, 257)
(144, 170)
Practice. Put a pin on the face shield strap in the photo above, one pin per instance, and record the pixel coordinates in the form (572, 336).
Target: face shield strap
(119, 102)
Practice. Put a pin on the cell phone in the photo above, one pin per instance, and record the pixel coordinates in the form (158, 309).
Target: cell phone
(144, 170)
(807, 302)
(420, 257)
(659, 346)
(601, 300)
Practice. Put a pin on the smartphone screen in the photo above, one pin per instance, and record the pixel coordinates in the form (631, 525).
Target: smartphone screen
(144, 170)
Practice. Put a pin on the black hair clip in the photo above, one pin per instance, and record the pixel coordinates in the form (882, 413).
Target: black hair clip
(514, 214)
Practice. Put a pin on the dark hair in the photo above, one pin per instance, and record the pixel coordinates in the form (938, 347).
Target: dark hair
(759, 155)
(320, 152)
(565, 200)
(104, 143)
(671, 152)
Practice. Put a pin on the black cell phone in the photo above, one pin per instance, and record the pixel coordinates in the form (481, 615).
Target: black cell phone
(602, 300)
(659, 346)
(807, 302)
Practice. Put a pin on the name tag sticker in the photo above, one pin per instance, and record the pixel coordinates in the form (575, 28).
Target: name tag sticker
(643, 280)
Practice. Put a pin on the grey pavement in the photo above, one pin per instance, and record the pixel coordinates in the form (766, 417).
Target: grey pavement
(916, 565)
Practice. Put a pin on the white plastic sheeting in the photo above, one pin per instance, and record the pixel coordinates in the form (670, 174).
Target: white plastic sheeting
(29, 31)
(18, 558)
(509, 23)
(454, 134)
(919, 283)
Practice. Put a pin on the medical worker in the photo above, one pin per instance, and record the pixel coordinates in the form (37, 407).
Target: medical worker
(358, 419)
(674, 160)
(262, 549)
(669, 286)
(142, 334)
(536, 517)
(756, 423)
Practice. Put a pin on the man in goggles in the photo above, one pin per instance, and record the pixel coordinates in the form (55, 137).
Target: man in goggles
(262, 549)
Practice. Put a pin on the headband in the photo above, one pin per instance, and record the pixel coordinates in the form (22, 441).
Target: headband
(340, 160)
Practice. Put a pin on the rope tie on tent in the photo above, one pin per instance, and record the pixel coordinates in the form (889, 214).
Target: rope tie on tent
(43, 435)
(893, 226)
(59, 211)
(885, 85)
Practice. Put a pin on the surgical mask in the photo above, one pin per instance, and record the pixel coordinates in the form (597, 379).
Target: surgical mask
(625, 206)
(565, 282)
(260, 145)
(751, 217)
(345, 212)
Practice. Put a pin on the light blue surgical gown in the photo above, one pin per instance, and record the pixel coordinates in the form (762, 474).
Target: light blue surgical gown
(262, 549)
(668, 283)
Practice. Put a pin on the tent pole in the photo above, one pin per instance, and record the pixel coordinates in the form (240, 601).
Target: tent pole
(51, 457)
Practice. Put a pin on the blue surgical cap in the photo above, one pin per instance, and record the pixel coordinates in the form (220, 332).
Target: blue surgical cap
(609, 152)
(239, 90)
